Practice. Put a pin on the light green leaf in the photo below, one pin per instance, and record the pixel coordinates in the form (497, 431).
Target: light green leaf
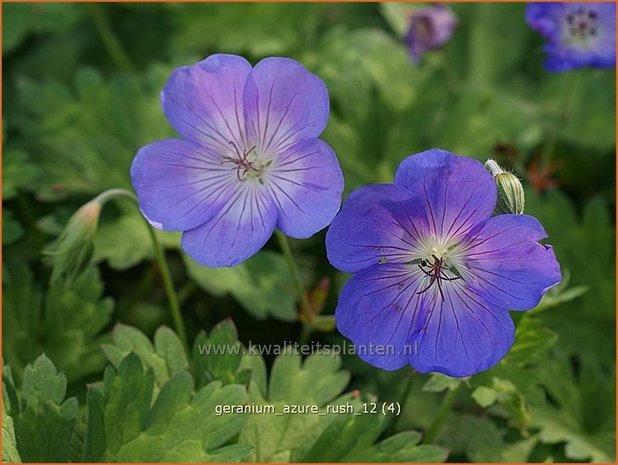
(355, 64)
(325, 436)
(43, 420)
(166, 357)
(438, 382)
(484, 396)
(396, 15)
(126, 423)
(202, 26)
(262, 284)
(9, 443)
(135, 245)
(66, 323)
(316, 382)
(74, 134)
(218, 356)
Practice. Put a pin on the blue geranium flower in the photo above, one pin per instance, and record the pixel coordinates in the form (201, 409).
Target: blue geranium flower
(250, 159)
(578, 34)
(435, 274)
(429, 28)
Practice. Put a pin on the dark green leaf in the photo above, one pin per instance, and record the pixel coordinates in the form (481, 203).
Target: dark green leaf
(68, 327)
(126, 422)
(43, 420)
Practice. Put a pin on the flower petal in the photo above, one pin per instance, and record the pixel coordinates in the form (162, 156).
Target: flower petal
(456, 192)
(460, 335)
(204, 101)
(179, 184)
(284, 103)
(238, 230)
(376, 311)
(305, 183)
(373, 227)
(505, 263)
(544, 18)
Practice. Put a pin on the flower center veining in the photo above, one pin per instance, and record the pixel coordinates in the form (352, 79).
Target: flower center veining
(248, 164)
(581, 25)
(440, 263)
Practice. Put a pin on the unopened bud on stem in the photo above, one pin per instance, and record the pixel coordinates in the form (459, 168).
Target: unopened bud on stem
(72, 251)
(511, 198)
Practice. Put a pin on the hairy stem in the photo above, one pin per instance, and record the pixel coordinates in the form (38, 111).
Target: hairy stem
(168, 285)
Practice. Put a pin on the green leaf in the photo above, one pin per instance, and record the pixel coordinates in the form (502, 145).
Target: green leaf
(396, 15)
(514, 383)
(532, 342)
(487, 30)
(262, 284)
(484, 396)
(584, 245)
(351, 437)
(165, 358)
(582, 414)
(67, 327)
(438, 382)
(316, 382)
(483, 441)
(356, 63)
(136, 244)
(338, 433)
(126, 422)
(43, 420)
(211, 26)
(9, 443)
(590, 109)
(23, 19)
(218, 356)
(104, 122)
(11, 229)
(17, 173)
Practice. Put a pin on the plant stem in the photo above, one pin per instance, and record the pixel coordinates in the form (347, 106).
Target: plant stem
(110, 40)
(443, 411)
(403, 400)
(168, 285)
(305, 314)
(563, 116)
(172, 298)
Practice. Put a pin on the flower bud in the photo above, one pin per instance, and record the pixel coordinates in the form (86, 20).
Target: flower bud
(511, 198)
(72, 251)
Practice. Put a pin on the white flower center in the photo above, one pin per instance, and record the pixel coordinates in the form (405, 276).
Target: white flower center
(580, 26)
(248, 163)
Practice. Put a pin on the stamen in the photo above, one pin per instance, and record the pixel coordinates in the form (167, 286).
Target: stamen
(436, 273)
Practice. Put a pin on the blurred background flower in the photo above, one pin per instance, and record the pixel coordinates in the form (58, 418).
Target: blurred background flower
(429, 28)
(577, 34)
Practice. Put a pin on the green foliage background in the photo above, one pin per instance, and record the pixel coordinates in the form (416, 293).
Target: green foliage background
(92, 373)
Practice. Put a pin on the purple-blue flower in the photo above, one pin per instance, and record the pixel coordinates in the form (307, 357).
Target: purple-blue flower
(249, 160)
(435, 274)
(428, 29)
(578, 34)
